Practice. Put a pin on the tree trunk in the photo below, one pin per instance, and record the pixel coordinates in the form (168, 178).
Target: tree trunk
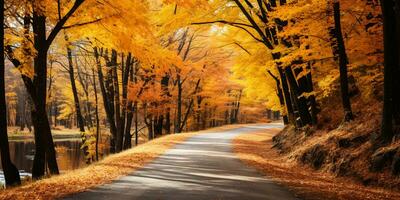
(391, 62)
(79, 116)
(97, 115)
(27, 116)
(136, 124)
(199, 115)
(279, 93)
(287, 97)
(128, 106)
(299, 100)
(150, 126)
(189, 108)
(167, 126)
(11, 173)
(178, 120)
(85, 87)
(158, 125)
(118, 118)
(107, 102)
(312, 99)
(237, 109)
(43, 139)
(165, 88)
(306, 86)
(396, 73)
(71, 73)
(343, 62)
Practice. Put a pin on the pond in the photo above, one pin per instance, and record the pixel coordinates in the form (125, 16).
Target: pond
(69, 154)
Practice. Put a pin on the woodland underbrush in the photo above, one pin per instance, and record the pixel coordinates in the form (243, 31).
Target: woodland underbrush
(348, 149)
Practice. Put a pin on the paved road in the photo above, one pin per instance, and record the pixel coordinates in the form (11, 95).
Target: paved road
(203, 167)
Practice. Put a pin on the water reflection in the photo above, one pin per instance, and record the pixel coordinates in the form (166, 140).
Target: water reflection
(69, 154)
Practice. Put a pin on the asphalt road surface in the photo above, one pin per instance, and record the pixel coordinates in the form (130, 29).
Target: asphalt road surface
(203, 167)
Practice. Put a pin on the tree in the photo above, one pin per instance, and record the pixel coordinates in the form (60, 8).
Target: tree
(391, 70)
(339, 51)
(36, 86)
(11, 173)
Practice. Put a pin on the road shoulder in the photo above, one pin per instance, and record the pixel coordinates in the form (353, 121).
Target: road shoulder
(255, 149)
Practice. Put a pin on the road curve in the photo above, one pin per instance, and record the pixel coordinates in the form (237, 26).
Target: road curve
(203, 167)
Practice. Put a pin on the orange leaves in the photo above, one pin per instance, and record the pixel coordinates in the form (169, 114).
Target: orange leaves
(187, 4)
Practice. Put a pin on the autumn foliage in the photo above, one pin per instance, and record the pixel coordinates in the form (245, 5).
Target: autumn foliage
(155, 67)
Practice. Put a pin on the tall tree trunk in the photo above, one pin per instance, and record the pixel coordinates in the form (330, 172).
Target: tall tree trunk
(96, 101)
(150, 125)
(118, 118)
(79, 116)
(158, 125)
(343, 62)
(45, 150)
(237, 109)
(391, 62)
(189, 108)
(287, 97)
(312, 99)
(55, 113)
(85, 87)
(306, 86)
(298, 99)
(107, 102)
(128, 136)
(167, 126)
(165, 89)
(178, 120)
(11, 173)
(279, 93)
(128, 106)
(136, 123)
(27, 117)
(396, 73)
(199, 114)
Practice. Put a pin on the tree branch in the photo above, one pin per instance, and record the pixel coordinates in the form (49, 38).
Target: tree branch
(17, 64)
(222, 22)
(254, 24)
(273, 76)
(244, 49)
(234, 24)
(57, 28)
(81, 24)
(189, 107)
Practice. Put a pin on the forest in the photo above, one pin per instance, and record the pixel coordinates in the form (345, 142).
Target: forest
(95, 90)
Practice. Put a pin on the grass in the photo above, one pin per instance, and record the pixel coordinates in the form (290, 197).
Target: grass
(102, 172)
(255, 149)
(15, 134)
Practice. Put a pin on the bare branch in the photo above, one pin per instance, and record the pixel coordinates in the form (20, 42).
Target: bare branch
(81, 24)
(57, 28)
(234, 24)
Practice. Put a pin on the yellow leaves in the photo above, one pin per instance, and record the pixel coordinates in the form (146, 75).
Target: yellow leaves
(122, 25)
(134, 91)
(326, 84)
(308, 94)
(26, 67)
(89, 136)
(23, 50)
(187, 4)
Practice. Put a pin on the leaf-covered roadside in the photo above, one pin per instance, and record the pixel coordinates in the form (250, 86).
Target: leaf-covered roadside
(256, 150)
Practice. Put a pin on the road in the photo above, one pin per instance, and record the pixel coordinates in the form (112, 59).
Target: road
(203, 167)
